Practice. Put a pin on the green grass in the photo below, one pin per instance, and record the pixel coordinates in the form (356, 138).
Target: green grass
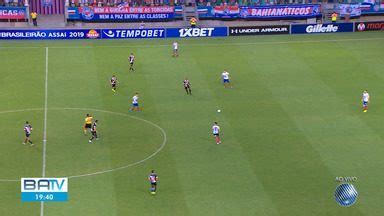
(291, 124)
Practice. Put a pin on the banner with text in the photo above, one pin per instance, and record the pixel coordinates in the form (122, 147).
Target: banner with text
(259, 30)
(197, 32)
(120, 13)
(321, 28)
(281, 11)
(49, 34)
(132, 33)
(13, 13)
(369, 26)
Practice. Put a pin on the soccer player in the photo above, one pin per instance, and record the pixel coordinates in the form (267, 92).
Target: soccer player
(28, 131)
(226, 82)
(365, 99)
(215, 131)
(175, 49)
(135, 102)
(113, 83)
(131, 61)
(187, 86)
(94, 131)
(153, 180)
(88, 123)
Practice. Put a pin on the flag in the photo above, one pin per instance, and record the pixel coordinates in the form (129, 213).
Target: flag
(122, 5)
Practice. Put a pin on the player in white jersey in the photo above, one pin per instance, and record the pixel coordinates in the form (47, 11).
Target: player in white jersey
(175, 49)
(135, 102)
(226, 82)
(365, 99)
(215, 132)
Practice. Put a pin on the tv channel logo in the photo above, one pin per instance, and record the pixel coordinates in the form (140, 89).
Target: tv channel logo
(44, 189)
(345, 193)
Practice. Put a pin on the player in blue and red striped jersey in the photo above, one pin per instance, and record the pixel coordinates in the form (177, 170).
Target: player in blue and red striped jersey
(28, 131)
(153, 180)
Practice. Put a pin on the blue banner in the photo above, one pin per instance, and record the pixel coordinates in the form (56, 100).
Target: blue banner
(44, 196)
(50, 34)
(353, 10)
(321, 28)
(132, 33)
(281, 11)
(371, 8)
(73, 13)
(197, 32)
(205, 11)
(121, 13)
(12, 13)
(130, 17)
(178, 12)
(47, 3)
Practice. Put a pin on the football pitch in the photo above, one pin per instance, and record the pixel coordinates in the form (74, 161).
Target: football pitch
(290, 125)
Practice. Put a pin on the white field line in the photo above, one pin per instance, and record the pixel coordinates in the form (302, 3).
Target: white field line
(223, 43)
(104, 111)
(45, 112)
(45, 123)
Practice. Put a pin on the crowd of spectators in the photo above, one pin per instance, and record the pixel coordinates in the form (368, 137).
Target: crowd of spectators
(183, 2)
(12, 3)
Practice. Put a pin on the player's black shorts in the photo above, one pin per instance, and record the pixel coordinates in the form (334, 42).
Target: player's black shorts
(88, 125)
(27, 134)
(113, 85)
(131, 63)
(187, 87)
(94, 133)
(153, 183)
(216, 135)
